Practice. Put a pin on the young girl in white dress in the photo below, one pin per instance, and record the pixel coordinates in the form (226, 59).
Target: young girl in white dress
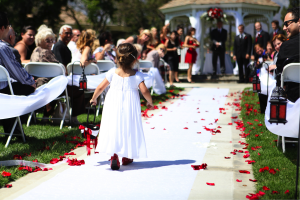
(121, 131)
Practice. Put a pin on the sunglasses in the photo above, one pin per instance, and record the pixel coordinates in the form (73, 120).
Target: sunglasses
(147, 35)
(162, 49)
(78, 35)
(287, 24)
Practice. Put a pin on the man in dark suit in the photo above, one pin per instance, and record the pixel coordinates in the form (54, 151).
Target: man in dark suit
(261, 38)
(241, 53)
(276, 29)
(218, 36)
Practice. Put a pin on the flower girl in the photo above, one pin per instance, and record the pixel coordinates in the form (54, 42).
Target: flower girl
(121, 130)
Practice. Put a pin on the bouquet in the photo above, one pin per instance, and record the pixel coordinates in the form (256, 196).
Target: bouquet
(214, 15)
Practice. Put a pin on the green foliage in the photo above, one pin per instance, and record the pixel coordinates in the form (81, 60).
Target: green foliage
(293, 3)
(270, 155)
(33, 12)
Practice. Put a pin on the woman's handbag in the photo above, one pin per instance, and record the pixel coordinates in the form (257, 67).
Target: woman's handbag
(90, 130)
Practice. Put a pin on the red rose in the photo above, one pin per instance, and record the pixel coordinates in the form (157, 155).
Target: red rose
(245, 37)
(260, 36)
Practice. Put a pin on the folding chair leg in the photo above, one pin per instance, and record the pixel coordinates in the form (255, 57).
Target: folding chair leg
(11, 133)
(68, 104)
(278, 140)
(21, 128)
(63, 119)
(283, 144)
(99, 105)
(29, 119)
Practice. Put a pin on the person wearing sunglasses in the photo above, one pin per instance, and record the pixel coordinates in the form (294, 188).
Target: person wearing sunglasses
(289, 50)
(72, 44)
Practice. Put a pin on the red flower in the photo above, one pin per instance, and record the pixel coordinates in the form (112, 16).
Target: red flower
(264, 169)
(266, 188)
(212, 184)
(5, 174)
(245, 37)
(272, 171)
(256, 135)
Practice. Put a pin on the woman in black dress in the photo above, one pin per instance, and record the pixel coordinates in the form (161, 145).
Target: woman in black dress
(172, 56)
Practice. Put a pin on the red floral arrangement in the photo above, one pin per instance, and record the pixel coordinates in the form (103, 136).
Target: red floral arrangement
(214, 14)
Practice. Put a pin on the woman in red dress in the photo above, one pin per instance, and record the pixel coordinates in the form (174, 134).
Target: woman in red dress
(164, 34)
(191, 54)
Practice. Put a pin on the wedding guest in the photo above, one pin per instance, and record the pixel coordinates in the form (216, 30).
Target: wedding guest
(9, 39)
(276, 29)
(141, 30)
(155, 55)
(289, 50)
(261, 38)
(277, 42)
(121, 130)
(139, 49)
(155, 40)
(72, 43)
(143, 39)
(270, 51)
(84, 48)
(63, 55)
(164, 34)
(191, 55)
(104, 51)
(42, 53)
(23, 84)
(241, 53)
(172, 56)
(218, 36)
(24, 45)
(61, 51)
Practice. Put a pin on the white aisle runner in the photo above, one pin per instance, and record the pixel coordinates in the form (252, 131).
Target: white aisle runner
(165, 174)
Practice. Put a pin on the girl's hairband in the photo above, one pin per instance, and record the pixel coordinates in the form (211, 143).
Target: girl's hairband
(133, 56)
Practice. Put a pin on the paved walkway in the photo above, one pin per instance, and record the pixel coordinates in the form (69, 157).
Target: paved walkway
(167, 173)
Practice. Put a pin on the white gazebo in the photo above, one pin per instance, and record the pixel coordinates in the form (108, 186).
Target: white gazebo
(188, 12)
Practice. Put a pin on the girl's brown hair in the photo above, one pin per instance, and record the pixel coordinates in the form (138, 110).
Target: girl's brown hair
(86, 38)
(280, 37)
(258, 46)
(126, 55)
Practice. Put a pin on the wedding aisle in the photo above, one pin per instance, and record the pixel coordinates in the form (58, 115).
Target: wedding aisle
(174, 143)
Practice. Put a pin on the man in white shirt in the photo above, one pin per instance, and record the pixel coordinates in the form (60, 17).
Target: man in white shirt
(72, 43)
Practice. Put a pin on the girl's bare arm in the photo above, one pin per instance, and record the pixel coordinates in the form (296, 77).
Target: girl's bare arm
(100, 88)
(145, 92)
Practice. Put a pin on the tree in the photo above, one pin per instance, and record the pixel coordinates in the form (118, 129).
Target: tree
(34, 12)
(293, 3)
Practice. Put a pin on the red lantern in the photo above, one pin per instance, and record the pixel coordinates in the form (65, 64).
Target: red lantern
(83, 81)
(256, 84)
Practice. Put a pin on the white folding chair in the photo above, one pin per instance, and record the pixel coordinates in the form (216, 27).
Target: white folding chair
(48, 70)
(105, 65)
(91, 69)
(290, 73)
(163, 63)
(146, 65)
(4, 76)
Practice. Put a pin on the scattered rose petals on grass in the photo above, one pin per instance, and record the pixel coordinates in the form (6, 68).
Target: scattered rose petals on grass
(266, 188)
(211, 184)
(198, 167)
(264, 169)
(5, 174)
(272, 171)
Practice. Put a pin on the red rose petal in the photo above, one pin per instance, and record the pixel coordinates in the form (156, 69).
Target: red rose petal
(211, 184)
(275, 192)
(272, 171)
(229, 123)
(286, 192)
(185, 128)
(227, 157)
(199, 132)
(266, 188)
(237, 180)
(153, 128)
(5, 174)
(244, 171)
(246, 155)
(164, 129)
(8, 185)
(253, 180)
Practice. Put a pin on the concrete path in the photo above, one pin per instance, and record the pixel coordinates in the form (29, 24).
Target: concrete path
(222, 172)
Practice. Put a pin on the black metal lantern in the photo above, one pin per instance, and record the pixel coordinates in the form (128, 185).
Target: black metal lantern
(278, 102)
(256, 84)
(83, 81)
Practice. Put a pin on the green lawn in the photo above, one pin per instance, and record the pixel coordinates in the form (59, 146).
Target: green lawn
(45, 142)
(284, 164)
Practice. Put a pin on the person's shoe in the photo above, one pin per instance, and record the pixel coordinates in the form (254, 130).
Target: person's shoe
(126, 161)
(114, 162)
(223, 70)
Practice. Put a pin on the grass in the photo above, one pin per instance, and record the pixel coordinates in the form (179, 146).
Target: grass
(270, 155)
(45, 142)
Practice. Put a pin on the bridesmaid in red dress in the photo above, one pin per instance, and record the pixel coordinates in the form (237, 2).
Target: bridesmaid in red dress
(164, 34)
(191, 54)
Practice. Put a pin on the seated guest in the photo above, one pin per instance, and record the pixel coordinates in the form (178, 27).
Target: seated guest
(84, 48)
(42, 53)
(104, 51)
(24, 45)
(139, 51)
(289, 50)
(155, 40)
(24, 83)
(277, 42)
(270, 51)
(155, 55)
(9, 39)
(72, 43)
(260, 54)
(63, 55)
(143, 39)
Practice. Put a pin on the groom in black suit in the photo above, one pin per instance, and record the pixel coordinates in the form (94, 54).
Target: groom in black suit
(241, 53)
(218, 36)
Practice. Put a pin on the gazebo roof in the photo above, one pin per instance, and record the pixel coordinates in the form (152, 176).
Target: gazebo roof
(177, 3)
